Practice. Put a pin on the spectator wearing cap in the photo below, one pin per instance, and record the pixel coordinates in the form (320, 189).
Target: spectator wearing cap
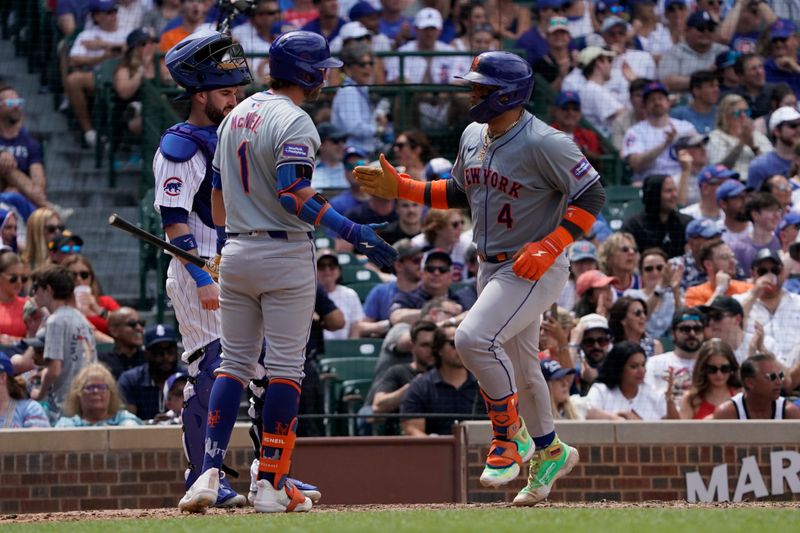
(734, 141)
(443, 230)
(661, 288)
(772, 309)
(725, 69)
(408, 224)
(787, 233)
(720, 267)
(753, 87)
(438, 168)
(701, 112)
(104, 40)
(329, 171)
(731, 197)
(370, 16)
(256, 35)
(173, 400)
(766, 213)
(628, 63)
(660, 225)
(136, 66)
(599, 104)
(697, 52)
(559, 60)
(784, 125)
(567, 114)
(352, 197)
(652, 35)
(691, 153)
(647, 144)
(698, 233)
(688, 334)
(351, 33)
(579, 15)
(142, 387)
(780, 96)
(329, 274)
(16, 410)
(726, 321)
(379, 300)
(782, 65)
(352, 111)
(595, 293)
(64, 245)
(708, 182)
(127, 330)
(534, 40)
(619, 393)
(328, 22)
(590, 341)
(582, 257)
(633, 114)
(559, 380)
(21, 159)
(436, 278)
(676, 13)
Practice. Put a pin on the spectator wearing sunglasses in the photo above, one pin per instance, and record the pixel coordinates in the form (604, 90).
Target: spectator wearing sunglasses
(559, 60)
(534, 41)
(329, 275)
(127, 330)
(94, 400)
(352, 111)
(567, 115)
(256, 35)
(43, 226)
(627, 320)
(590, 341)
(412, 150)
(370, 16)
(661, 287)
(142, 387)
(784, 125)
(762, 378)
(772, 306)
(715, 379)
(329, 169)
(734, 142)
(12, 279)
(21, 159)
(697, 52)
(352, 197)
(675, 367)
(94, 305)
(726, 321)
(64, 245)
(443, 230)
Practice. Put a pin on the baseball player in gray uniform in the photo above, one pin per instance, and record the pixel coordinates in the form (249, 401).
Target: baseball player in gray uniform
(263, 163)
(531, 193)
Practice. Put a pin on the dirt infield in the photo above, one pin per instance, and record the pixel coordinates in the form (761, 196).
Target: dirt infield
(129, 514)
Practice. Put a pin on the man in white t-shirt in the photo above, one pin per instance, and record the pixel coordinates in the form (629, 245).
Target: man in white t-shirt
(688, 333)
(256, 36)
(599, 105)
(647, 145)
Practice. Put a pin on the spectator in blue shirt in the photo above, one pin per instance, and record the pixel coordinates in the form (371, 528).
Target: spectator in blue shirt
(71, 15)
(329, 22)
(783, 66)
(94, 400)
(701, 112)
(784, 125)
(352, 197)
(329, 170)
(16, 410)
(534, 40)
(143, 386)
(446, 388)
(21, 160)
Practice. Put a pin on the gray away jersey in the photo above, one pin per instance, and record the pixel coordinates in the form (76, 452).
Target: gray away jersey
(260, 134)
(520, 187)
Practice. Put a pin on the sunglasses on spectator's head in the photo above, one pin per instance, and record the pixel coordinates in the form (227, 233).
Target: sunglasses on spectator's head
(713, 369)
(764, 270)
(70, 249)
(57, 228)
(351, 166)
(13, 278)
(14, 102)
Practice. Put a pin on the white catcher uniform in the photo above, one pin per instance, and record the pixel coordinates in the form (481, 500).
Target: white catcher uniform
(518, 186)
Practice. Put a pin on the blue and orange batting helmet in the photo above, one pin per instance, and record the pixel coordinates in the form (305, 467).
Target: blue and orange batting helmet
(207, 60)
(510, 74)
(301, 57)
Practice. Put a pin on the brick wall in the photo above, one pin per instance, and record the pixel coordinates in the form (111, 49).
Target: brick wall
(635, 461)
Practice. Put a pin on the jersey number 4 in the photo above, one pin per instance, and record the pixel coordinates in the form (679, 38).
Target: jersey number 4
(505, 216)
(244, 169)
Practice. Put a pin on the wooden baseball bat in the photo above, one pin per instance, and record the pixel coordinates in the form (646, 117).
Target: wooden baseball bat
(208, 265)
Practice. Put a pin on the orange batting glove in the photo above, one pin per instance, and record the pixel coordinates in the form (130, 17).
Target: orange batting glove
(533, 259)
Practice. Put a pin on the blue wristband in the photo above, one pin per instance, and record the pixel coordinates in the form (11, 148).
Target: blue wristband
(342, 225)
(222, 237)
(200, 276)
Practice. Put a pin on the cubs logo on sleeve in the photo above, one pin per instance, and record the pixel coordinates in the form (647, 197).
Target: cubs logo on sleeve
(172, 186)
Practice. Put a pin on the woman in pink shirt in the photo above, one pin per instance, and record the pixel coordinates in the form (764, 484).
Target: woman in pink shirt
(12, 277)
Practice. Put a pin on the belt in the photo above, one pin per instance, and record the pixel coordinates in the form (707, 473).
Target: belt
(502, 257)
(272, 234)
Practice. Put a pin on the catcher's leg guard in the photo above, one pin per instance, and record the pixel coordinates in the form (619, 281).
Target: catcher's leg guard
(511, 443)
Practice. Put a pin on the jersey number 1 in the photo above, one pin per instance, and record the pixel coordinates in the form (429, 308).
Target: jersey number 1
(244, 169)
(505, 217)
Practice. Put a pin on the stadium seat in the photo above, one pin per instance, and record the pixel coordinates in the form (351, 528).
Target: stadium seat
(622, 201)
(362, 288)
(333, 373)
(355, 273)
(353, 348)
(354, 392)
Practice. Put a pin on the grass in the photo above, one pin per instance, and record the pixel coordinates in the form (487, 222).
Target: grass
(480, 520)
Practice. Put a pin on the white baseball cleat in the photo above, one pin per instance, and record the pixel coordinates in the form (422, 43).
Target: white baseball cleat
(286, 500)
(202, 494)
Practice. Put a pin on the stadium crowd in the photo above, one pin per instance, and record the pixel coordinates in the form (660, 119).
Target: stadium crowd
(689, 307)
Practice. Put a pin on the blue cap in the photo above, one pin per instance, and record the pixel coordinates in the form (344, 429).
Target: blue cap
(5, 364)
(140, 36)
(669, 3)
(730, 189)
(654, 87)
(782, 29)
(567, 97)
(102, 5)
(549, 4)
(611, 6)
(789, 219)
(580, 250)
(551, 370)
(600, 230)
(716, 172)
(704, 228)
(354, 150)
(362, 9)
(438, 168)
(170, 381)
(701, 19)
(159, 333)
(726, 59)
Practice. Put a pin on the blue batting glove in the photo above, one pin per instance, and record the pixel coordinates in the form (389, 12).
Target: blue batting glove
(368, 242)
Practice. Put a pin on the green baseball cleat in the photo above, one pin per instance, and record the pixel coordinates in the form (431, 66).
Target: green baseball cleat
(547, 466)
(506, 456)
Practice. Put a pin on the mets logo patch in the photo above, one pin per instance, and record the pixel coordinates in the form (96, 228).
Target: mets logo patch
(295, 150)
(581, 168)
(173, 186)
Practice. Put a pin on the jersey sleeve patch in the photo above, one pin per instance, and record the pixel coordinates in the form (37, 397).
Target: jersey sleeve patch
(295, 150)
(581, 168)
(172, 186)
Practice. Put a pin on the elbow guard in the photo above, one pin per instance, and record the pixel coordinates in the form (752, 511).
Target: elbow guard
(292, 179)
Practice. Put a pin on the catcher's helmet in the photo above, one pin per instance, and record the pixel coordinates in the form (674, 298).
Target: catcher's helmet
(207, 60)
(512, 76)
(299, 57)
